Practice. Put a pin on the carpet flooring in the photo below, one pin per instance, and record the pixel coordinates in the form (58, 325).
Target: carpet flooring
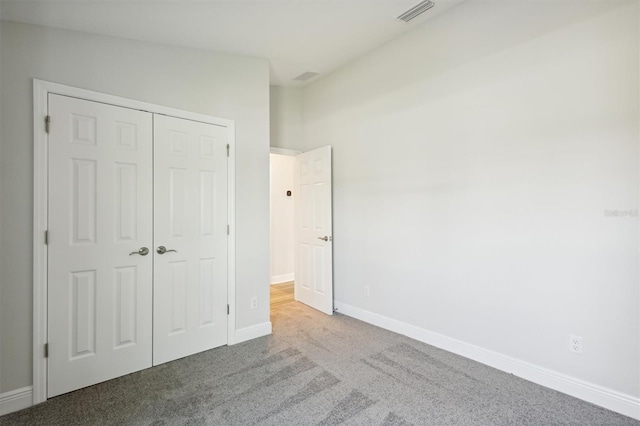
(318, 370)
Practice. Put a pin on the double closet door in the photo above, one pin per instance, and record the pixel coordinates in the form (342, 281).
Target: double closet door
(137, 251)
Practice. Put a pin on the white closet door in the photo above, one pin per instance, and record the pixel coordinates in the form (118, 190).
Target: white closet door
(190, 222)
(99, 296)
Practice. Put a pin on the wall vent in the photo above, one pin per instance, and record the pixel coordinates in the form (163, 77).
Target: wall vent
(306, 76)
(416, 10)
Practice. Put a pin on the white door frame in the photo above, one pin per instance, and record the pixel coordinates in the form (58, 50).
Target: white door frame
(41, 90)
(284, 151)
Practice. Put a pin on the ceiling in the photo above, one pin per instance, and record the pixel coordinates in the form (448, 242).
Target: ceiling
(296, 36)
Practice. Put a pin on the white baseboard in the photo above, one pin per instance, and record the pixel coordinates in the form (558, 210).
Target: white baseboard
(249, 333)
(284, 278)
(595, 394)
(16, 400)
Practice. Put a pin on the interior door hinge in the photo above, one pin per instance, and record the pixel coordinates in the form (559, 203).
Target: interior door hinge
(228, 309)
(228, 150)
(47, 123)
(46, 350)
(228, 230)
(46, 238)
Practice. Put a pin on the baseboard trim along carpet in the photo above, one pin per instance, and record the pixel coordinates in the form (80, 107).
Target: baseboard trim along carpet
(16, 400)
(252, 332)
(595, 394)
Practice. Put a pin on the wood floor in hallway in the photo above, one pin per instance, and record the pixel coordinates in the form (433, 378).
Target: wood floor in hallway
(281, 294)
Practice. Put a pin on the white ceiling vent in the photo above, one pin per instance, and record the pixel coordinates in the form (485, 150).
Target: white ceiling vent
(306, 76)
(416, 10)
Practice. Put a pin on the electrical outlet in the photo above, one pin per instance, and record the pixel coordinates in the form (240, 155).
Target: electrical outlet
(575, 344)
(254, 303)
(367, 291)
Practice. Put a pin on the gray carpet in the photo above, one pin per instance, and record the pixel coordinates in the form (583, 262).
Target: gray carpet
(318, 370)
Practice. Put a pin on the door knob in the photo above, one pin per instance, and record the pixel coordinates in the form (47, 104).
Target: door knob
(163, 250)
(325, 238)
(142, 252)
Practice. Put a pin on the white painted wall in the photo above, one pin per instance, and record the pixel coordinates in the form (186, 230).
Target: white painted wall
(474, 161)
(286, 117)
(282, 218)
(220, 85)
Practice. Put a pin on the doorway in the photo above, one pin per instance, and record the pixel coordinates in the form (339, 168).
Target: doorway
(282, 226)
(301, 227)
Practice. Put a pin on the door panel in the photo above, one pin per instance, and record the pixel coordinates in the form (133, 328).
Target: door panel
(190, 217)
(314, 247)
(99, 296)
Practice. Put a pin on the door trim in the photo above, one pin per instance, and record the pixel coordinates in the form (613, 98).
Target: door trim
(284, 151)
(41, 90)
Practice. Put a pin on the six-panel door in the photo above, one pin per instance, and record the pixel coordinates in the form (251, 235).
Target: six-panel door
(100, 205)
(118, 302)
(314, 246)
(190, 222)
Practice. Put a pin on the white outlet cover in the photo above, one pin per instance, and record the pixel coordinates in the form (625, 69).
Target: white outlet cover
(575, 344)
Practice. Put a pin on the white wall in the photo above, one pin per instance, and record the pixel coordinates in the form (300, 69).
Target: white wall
(282, 218)
(286, 117)
(474, 160)
(220, 85)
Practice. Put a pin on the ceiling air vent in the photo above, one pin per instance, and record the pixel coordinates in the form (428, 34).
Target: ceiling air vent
(416, 10)
(306, 76)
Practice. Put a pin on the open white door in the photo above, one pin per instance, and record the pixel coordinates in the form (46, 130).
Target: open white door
(314, 246)
(190, 222)
(100, 235)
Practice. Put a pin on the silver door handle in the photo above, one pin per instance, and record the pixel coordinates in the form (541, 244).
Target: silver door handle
(142, 252)
(163, 250)
(325, 238)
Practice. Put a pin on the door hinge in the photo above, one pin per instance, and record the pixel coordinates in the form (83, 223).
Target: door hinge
(228, 309)
(46, 350)
(228, 230)
(47, 123)
(46, 238)
(228, 150)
